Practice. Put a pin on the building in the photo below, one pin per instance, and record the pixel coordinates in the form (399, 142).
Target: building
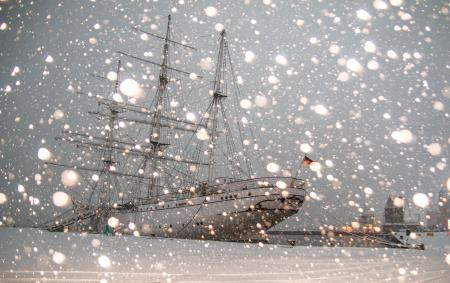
(394, 216)
(438, 219)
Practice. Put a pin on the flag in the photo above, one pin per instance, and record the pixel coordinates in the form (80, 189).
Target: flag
(307, 161)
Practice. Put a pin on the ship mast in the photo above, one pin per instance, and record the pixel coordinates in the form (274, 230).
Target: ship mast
(103, 198)
(155, 136)
(218, 94)
(105, 192)
(160, 122)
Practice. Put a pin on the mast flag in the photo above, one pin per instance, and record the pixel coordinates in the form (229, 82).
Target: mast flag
(307, 161)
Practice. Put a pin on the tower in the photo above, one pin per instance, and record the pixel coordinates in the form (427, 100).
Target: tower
(393, 213)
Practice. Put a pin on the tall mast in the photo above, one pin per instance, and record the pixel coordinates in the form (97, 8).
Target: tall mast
(216, 102)
(155, 137)
(105, 193)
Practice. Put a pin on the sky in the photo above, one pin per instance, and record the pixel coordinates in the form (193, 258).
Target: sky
(363, 87)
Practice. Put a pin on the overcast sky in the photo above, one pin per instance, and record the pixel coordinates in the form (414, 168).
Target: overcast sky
(366, 84)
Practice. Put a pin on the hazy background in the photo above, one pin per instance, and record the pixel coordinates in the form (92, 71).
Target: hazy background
(408, 91)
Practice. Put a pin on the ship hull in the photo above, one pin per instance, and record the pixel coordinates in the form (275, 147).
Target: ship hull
(235, 214)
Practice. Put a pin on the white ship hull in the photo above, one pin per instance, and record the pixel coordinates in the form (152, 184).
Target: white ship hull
(237, 211)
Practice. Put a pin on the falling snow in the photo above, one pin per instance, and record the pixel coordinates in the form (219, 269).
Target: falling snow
(360, 88)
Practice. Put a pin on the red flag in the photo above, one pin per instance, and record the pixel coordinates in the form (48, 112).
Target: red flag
(307, 161)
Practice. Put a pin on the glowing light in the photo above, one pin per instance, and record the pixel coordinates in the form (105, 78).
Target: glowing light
(306, 148)
(313, 40)
(202, 134)
(363, 15)
(370, 47)
(399, 202)
(421, 200)
(58, 114)
(380, 5)
(373, 65)
(20, 188)
(112, 76)
(249, 56)
(280, 59)
(299, 23)
(334, 49)
(144, 37)
(354, 66)
(273, 167)
(281, 185)
(219, 27)
(193, 76)
(313, 195)
(131, 88)
(3, 198)
(447, 259)
(315, 166)
(70, 178)
(104, 261)
(285, 194)
(211, 11)
(273, 80)
(245, 103)
(49, 59)
(434, 149)
(392, 54)
(44, 154)
(438, 106)
(118, 98)
(113, 222)
(343, 77)
(58, 258)
(321, 110)
(368, 191)
(61, 199)
(191, 117)
(261, 101)
(396, 3)
(356, 225)
(403, 136)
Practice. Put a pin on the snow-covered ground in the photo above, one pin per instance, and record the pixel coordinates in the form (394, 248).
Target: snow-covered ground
(29, 255)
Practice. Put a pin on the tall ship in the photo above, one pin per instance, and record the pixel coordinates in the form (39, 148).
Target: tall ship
(165, 171)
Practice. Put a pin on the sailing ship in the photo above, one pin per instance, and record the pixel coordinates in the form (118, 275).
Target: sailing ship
(186, 178)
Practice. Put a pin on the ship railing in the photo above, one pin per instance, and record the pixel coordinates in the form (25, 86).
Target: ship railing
(241, 185)
(260, 182)
(203, 189)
